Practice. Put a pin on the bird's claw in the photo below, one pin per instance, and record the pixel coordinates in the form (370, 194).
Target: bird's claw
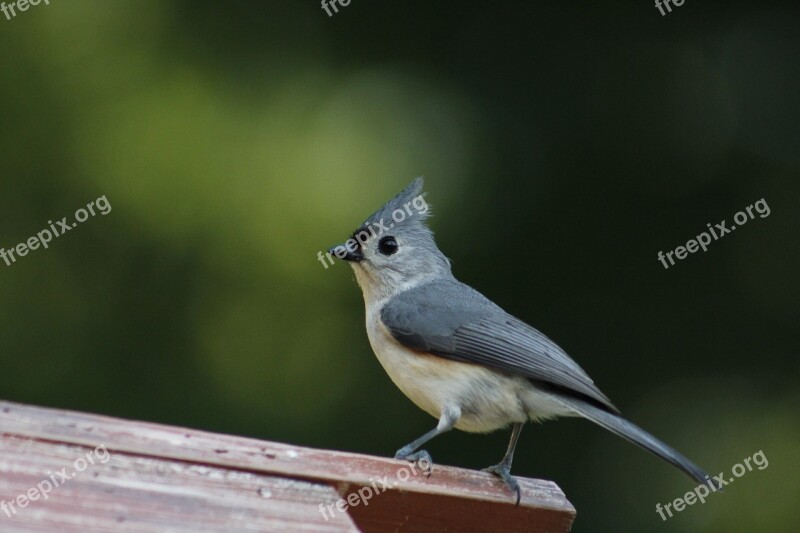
(421, 458)
(503, 471)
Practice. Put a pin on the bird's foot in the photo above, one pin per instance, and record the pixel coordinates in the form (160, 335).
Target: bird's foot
(503, 471)
(421, 458)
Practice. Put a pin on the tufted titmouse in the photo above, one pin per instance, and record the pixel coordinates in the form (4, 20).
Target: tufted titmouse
(460, 357)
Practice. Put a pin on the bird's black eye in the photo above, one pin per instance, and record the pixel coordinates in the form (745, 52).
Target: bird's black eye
(387, 246)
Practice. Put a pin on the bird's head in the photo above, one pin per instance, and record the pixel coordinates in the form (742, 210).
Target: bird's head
(394, 249)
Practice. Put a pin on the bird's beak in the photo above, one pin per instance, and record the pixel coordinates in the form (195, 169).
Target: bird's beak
(354, 257)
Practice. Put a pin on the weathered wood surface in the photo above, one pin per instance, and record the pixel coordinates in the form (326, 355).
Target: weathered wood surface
(137, 476)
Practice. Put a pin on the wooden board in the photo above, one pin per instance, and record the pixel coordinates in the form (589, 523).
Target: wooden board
(138, 476)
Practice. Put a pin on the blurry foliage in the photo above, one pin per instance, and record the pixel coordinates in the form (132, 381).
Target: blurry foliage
(563, 146)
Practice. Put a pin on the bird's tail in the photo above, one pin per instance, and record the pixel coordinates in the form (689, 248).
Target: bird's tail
(632, 433)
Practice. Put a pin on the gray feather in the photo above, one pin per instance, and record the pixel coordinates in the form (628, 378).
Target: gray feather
(632, 433)
(413, 190)
(454, 321)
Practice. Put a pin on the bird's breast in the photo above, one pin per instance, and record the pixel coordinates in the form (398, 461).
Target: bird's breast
(487, 399)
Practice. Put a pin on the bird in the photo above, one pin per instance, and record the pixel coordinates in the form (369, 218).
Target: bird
(459, 356)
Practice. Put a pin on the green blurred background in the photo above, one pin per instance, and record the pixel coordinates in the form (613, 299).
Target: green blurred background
(563, 147)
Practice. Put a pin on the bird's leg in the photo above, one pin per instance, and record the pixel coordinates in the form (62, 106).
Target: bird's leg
(409, 451)
(503, 468)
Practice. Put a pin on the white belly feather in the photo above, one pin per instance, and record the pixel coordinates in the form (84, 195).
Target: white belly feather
(487, 400)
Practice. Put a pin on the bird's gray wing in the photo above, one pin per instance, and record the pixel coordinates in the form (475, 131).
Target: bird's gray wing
(454, 321)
